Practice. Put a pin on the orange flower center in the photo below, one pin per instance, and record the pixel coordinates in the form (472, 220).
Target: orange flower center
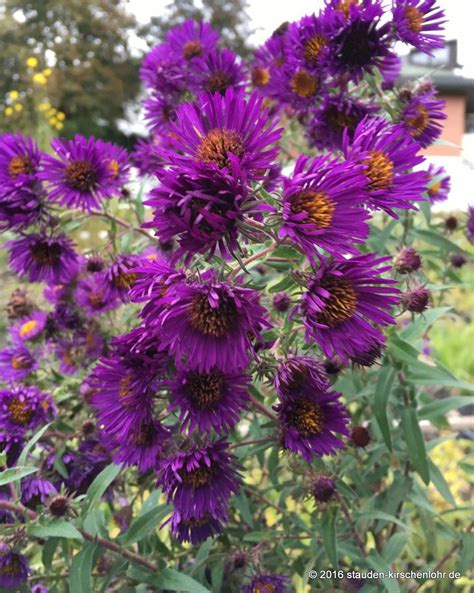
(414, 18)
(379, 170)
(307, 417)
(313, 48)
(342, 302)
(216, 145)
(317, 205)
(303, 84)
(20, 164)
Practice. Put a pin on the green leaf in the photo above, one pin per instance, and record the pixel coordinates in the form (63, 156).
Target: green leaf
(434, 238)
(99, 486)
(415, 329)
(328, 532)
(13, 474)
(177, 581)
(217, 575)
(279, 284)
(415, 443)
(394, 547)
(241, 502)
(440, 483)
(31, 443)
(145, 524)
(380, 565)
(441, 406)
(47, 553)
(80, 580)
(381, 516)
(56, 529)
(382, 393)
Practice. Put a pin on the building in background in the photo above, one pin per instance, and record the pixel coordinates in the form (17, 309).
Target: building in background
(455, 149)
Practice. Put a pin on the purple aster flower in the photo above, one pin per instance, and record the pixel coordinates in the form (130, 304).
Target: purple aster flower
(154, 278)
(268, 583)
(421, 115)
(387, 153)
(30, 327)
(419, 23)
(143, 445)
(162, 70)
(16, 363)
(200, 480)
(43, 258)
(337, 114)
(195, 529)
(358, 42)
(219, 130)
(93, 294)
(91, 458)
(145, 156)
(23, 408)
(470, 224)
(35, 491)
(120, 277)
(83, 172)
(14, 569)
(11, 443)
(209, 400)
(210, 324)
(160, 112)
(19, 208)
(191, 40)
(20, 160)
(299, 375)
(308, 41)
(309, 420)
(217, 71)
(295, 85)
(322, 206)
(121, 394)
(117, 162)
(201, 208)
(439, 184)
(269, 57)
(342, 302)
(39, 588)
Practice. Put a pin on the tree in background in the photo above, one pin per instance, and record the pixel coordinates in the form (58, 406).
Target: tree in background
(229, 17)
(87, 44)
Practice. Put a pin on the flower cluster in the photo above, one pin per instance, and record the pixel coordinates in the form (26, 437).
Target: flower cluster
(245, 289)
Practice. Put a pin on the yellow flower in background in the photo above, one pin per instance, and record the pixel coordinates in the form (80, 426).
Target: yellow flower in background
(53, 121)
(44, 106)
(47, 71)
(32, 62)
(18, 107)
(61, 116)
(8, 111)
(13, 95)
(59, 126)
(39, 78)
(51, 111)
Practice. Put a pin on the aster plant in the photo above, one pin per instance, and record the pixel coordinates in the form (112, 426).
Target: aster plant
(223, 391)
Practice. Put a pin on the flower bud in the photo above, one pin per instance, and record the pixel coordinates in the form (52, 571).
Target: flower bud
(451, 223)
(333, 366)
(416, 300)
(323, 489)
(360, 436)
(407, 261)
(282, 302)
(58, 506)
(458, 260)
